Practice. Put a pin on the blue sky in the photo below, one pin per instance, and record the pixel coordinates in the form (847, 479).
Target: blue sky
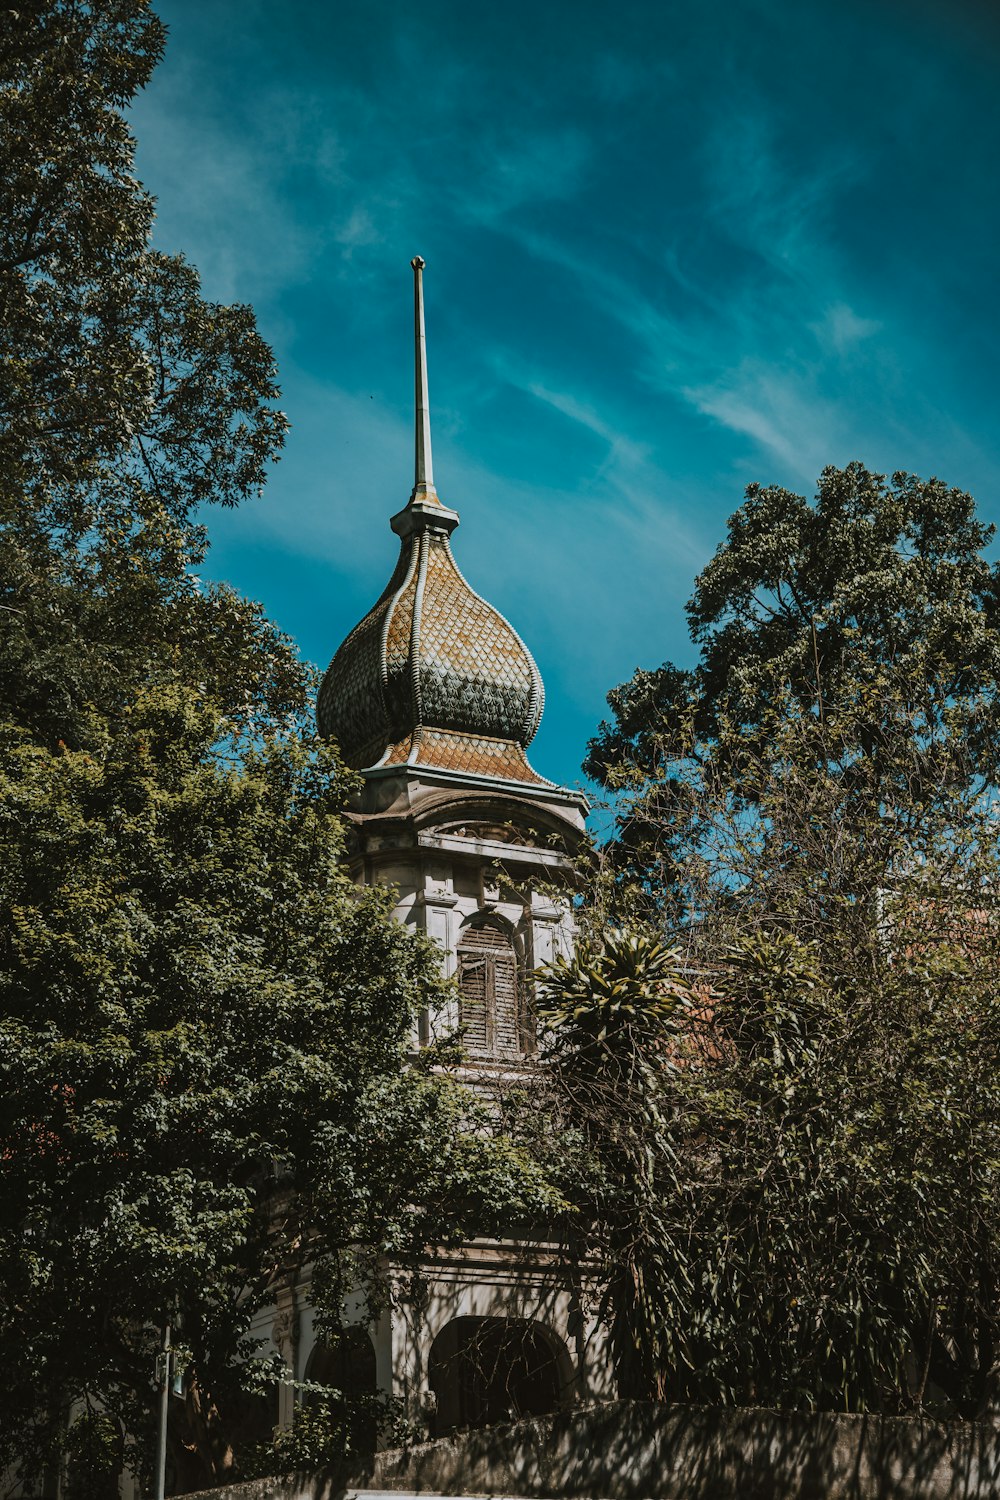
(671, 248)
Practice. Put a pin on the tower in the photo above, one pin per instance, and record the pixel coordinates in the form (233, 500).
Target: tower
(434, 699)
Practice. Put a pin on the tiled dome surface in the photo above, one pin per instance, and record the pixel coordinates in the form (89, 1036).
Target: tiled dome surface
(473, 754)
(433, 675)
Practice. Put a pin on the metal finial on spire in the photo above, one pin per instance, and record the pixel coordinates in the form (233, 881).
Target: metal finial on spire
(423, 468)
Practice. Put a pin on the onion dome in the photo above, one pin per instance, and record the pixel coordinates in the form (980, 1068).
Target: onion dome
(433, 676)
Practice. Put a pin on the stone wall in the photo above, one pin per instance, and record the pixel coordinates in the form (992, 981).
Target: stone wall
(629, 1451)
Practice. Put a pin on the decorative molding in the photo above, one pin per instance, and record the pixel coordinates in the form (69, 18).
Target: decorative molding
(446, 899)
(285, 1333)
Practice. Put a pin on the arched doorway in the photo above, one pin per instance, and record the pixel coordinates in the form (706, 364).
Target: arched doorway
(254, 1417)
(488, 1370)
(489, 982)
(347, 1365)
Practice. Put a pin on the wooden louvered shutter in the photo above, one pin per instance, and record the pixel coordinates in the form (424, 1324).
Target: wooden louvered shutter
(506, 1029)
(487, 977)
(472, 980)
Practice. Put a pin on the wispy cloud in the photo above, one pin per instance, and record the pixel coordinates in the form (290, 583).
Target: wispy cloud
(512, 167)
(778, 411)
(768, 197)
(734, 351)
(841, 328)
(622, 449)
(674, 256)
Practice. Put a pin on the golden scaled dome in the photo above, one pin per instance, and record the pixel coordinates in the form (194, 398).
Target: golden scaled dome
(433, 675)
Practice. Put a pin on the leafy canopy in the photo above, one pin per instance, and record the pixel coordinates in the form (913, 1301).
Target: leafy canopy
(202, 1066)
(203, 1076)
(799, 1156)
(127, 401)
(118, 382)
(867, 619)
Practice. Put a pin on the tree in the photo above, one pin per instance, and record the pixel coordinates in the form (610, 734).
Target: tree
(615, 1019)
(203, 1067)
(126, 402)
(804, 1163)
(875, 607)
(205, 1025)
(118, 381)
(796, 1161)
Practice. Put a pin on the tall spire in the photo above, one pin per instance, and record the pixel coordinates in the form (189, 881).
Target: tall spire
(433, 676)
(423, 466)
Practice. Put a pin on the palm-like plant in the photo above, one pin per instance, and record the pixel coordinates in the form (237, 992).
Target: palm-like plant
(612, 1007)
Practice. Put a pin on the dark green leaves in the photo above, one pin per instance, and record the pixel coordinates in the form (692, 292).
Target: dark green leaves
(801, 1187)
(120, 386)
(204, 1025)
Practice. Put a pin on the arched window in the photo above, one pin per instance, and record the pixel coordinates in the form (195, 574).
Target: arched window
(488, 1370)
(488, 979)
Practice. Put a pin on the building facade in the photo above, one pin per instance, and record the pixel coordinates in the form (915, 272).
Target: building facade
(434, 699)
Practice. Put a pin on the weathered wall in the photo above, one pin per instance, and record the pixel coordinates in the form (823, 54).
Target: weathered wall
(629, 1451)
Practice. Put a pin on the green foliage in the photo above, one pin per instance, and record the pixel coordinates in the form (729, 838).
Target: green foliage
(117, 381)
(203, 1066)
(326, 1429)
(85, 617)
(93, 1457)
(318, 1437)
(619, 999)
(197, 1008)
(614, 1022)
(868, 620)
(126, 401)
(803, 1196)
(800, 1208)
(204, 1025)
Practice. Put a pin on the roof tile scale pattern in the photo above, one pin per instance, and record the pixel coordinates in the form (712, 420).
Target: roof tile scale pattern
(433, 675)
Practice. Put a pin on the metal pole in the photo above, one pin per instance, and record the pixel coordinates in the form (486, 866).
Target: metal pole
(423, 467)
(161, 1447)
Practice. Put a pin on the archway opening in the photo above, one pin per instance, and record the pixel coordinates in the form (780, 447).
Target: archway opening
(488, 1370)
(346, 1366)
